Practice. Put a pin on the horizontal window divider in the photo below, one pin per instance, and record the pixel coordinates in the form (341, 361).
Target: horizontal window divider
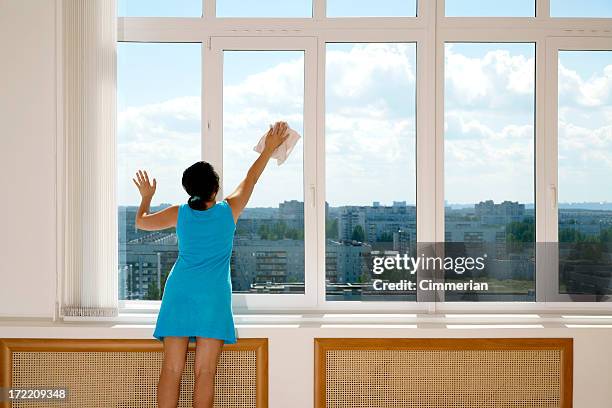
(276, 27)
(573, 28)
(379, 35)
(271, 22)
(280, 25)
(354, 34)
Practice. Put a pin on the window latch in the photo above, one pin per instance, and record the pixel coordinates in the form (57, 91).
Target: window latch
(313, 195)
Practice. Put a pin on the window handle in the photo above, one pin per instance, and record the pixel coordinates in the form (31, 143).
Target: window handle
(313, 195)
(553, 189)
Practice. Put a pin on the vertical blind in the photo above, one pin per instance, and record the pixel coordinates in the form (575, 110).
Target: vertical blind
(89, 32)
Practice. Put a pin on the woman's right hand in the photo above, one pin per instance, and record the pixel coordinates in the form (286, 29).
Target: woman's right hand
(145, 187)
(276, 136)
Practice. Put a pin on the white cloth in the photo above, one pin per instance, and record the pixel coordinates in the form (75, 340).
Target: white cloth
(282, 152)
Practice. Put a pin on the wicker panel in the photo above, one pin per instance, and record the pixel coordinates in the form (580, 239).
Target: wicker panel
(108, 376)
(372, 375)
(443, 378)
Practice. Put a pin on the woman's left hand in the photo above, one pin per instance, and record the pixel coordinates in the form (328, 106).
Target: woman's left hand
(145, 188)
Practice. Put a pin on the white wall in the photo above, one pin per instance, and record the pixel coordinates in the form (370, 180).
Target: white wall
(291, 353)
(27, 159)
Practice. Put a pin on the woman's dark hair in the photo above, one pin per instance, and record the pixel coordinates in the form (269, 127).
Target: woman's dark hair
(201, 182)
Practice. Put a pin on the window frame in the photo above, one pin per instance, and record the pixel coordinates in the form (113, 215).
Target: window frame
(424, 190)
(213, 151)
(430, 29)
(490, 35)
(553, 46)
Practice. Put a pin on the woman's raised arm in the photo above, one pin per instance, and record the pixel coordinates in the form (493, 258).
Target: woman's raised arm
(239, 198)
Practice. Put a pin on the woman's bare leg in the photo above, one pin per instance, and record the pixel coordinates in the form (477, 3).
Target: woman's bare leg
(169, 385)
(205, 368)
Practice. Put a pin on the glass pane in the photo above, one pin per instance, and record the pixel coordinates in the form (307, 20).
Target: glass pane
(488, 8)
(370, 166)
(489, 167)
(159, 8)
(158, 124)
(259, 88)
(586, 8)
(264, 8)
(585, 166)
(368, 8)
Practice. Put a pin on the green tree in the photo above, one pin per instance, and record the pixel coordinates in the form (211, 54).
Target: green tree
(571, 235)
(358, 234)
(386, 237)
(279, 230)
(152, 292)
(241, 229)
(331, 228)
(519, 232)
(588, 249)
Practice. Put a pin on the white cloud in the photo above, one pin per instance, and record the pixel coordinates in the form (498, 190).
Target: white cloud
(585, 163)
(163, 138)
(595, 91)
(496, 80)
(366, 68)
(185, 108)
(369, 138)
(481, 163)
(585, 133)
(488, 127)
(369, 158)
(370, 129)
(281, 85)
(370, 124)
(588, 150)
(466, 125)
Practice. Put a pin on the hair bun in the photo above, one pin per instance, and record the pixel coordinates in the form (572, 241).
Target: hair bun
(194, 198)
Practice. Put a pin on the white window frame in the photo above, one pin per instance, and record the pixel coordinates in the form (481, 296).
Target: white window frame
(483, 35)
(424, 168)
(213, 151)
(430, 29)
(541, 30)
(553, 46)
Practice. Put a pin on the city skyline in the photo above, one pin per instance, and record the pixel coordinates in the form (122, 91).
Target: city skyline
(268, 254)
(568, 204)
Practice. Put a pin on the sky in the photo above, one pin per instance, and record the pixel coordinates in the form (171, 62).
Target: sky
(260, 88)
(370, 116)
(585, 126)
(359, 8)
(266, 8)
(488, 122)
(158, 116)
(370, 123)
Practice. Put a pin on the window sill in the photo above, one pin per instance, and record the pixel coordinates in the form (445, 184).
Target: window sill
(307, 327)
(343, 320)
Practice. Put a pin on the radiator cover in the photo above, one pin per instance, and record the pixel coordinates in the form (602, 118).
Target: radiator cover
(124, 373)
(443, 373)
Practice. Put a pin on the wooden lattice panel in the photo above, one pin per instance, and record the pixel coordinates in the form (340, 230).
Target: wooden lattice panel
(98, 375)
(450, 373)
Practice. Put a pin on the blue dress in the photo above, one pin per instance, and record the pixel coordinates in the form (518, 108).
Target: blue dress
(197, 298)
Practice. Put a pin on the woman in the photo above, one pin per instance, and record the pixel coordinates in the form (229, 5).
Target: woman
(197, 300)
